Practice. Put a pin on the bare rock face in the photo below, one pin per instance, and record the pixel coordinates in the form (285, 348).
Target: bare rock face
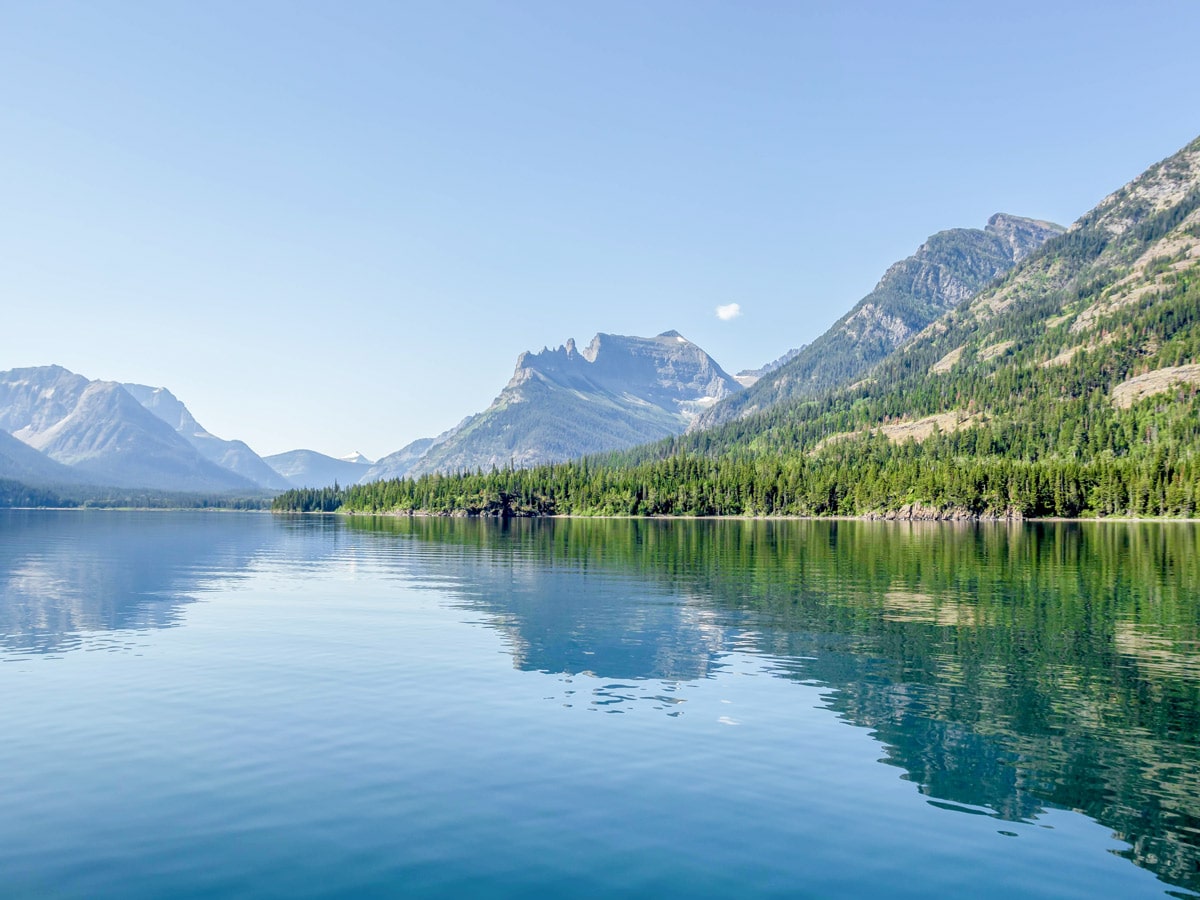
(1022, 236)
(563, 403)
(945, 271)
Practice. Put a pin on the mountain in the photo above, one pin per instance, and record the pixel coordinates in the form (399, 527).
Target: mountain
(307, 468)
(948, 268)
(400, 463)
(232, 455)
(561, 404)
(747, 377)
(358, 458)
(20, 462)
(101, 432)
(1070, 387)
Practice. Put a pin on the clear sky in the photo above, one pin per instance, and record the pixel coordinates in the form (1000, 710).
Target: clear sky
(336, 225)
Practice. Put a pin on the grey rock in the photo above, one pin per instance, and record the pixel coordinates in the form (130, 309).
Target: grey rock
(560, 404)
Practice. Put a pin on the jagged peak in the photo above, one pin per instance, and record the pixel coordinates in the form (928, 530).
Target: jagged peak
(999, 220)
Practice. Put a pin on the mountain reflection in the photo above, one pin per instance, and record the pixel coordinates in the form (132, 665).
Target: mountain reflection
(70, 578)
(1005, 669)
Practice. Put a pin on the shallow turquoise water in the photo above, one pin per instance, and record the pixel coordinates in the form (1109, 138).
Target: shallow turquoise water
(237, 704)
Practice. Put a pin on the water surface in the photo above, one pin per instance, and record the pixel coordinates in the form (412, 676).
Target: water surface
(202, 704)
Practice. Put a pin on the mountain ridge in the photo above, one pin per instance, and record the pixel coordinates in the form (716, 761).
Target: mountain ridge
(948, 268)
(563, 403)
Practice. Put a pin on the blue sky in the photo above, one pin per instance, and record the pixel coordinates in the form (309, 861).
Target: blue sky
(337, 225)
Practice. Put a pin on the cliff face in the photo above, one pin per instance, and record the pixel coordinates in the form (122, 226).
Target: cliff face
(949, 268)
(564, 403)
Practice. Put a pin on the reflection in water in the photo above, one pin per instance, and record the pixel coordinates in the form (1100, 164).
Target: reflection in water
(1006, 669)
(75, 579)
(93, 578)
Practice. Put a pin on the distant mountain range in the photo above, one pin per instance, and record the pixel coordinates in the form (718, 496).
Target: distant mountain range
(618, 392)
(623, 391)
(61, 428)
(1002, 295)
(103, 434)
(747, 377)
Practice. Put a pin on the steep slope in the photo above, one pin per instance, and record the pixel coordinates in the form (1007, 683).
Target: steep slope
(561, 404)
(20, 462)
(947, 269)
(308, 468)
(235, 456)
(99, 430)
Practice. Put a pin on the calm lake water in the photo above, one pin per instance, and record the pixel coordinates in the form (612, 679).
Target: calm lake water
(238, 704)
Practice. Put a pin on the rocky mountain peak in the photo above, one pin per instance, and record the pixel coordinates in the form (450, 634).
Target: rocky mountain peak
(559, 404)
(1021, 235)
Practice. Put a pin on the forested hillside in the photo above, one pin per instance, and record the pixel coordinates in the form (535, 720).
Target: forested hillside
(1068, 388)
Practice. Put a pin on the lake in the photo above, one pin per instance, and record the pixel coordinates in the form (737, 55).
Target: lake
(214, 704)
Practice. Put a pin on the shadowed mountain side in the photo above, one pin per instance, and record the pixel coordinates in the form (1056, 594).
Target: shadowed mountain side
(20, 462)
(400, 463)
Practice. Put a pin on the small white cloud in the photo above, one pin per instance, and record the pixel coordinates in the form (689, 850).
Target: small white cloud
(729, 311)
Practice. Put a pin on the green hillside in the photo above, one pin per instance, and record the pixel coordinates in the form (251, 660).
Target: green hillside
(1071, 387)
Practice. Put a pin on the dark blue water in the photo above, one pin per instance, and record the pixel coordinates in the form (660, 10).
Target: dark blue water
(235, 704)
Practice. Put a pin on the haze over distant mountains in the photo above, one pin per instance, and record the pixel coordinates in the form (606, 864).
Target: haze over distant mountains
(69, 429)
(308, 468)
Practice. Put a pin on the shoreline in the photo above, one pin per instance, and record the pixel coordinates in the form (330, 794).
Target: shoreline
(419, 514)
(989, 520)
